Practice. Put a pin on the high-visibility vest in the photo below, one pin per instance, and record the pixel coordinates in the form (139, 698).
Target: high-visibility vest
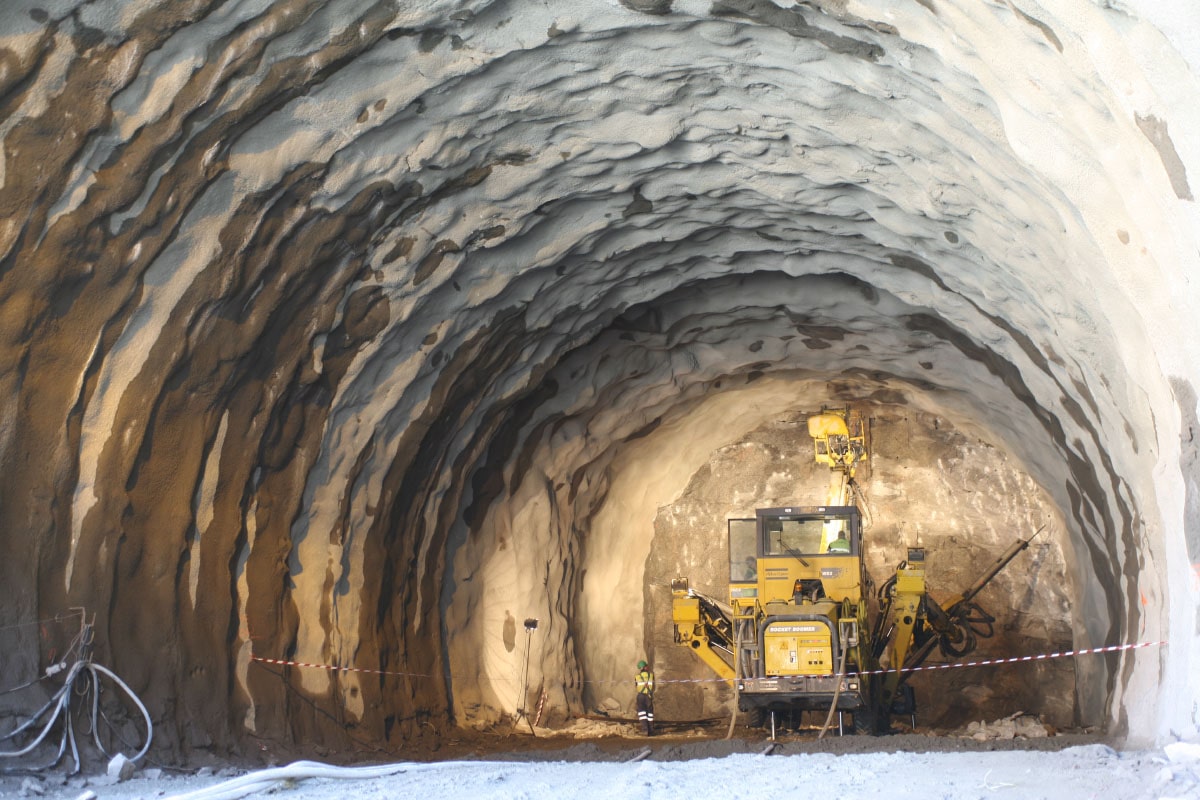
(645, 682)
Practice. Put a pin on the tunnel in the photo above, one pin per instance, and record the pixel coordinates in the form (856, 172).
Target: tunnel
(371, 367)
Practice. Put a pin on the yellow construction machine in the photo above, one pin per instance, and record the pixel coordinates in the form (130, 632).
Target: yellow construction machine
(800, 631)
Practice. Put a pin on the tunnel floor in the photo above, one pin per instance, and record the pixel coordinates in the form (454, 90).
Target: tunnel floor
(674, 741)
(685, 762)
(687, 740)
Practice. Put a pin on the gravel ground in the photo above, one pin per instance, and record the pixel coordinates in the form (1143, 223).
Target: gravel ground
(692, 761)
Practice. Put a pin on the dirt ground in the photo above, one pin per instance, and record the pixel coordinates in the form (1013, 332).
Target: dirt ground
(686, 741)
(596, 740)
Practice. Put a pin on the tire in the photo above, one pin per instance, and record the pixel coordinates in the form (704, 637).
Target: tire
(864, 722)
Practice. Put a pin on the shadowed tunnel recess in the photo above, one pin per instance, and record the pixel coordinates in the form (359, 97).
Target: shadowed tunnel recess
(349, 333)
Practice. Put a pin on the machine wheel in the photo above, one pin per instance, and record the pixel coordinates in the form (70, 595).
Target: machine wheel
(864, 722)
(757, 717)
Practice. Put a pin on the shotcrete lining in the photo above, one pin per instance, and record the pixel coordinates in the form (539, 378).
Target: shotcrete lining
(477, 272)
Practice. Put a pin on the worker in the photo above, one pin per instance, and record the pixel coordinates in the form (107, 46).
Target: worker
(749, 570)
(645, 697)
(839, 545)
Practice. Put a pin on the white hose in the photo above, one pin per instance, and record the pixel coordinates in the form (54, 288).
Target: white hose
(299, 770)
(137, 701)
(59, 702)
(60, 706)
(737, 675)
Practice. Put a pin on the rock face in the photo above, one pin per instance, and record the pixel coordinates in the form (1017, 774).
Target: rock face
(925, 485)
(357, 333)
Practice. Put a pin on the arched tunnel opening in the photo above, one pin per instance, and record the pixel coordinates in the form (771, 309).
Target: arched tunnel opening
(342, 338)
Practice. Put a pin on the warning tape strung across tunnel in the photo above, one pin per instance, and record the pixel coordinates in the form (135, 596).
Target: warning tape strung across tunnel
(331, 668)
(1019, 659)
(955, 665)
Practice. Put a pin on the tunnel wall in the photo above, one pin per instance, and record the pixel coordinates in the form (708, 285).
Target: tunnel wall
(293, 294)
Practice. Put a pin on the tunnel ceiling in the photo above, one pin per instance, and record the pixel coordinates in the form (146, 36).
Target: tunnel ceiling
(303, 301)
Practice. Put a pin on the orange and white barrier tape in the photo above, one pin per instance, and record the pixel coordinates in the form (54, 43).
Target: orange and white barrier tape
(929, 667)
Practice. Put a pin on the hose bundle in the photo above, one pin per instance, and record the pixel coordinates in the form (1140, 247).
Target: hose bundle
(969, 622)
(69, 701)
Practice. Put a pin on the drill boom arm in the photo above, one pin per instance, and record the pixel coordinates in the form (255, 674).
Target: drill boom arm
(975, 588)
(949, 624)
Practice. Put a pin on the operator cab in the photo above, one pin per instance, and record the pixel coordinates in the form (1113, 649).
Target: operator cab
(795, 552)
(790, 532)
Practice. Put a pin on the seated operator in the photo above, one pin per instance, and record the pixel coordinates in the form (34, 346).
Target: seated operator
(749, 569)
(839, 545)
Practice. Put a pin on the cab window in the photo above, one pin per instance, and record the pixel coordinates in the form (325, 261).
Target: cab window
(786, 536)
(743, 560)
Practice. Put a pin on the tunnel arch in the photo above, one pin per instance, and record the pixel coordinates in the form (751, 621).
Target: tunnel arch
(307, 305)
(837, 367)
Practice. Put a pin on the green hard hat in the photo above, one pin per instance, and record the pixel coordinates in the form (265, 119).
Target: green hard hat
(641, 664)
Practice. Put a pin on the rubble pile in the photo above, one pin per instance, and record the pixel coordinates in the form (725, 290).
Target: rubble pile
(1016, 726)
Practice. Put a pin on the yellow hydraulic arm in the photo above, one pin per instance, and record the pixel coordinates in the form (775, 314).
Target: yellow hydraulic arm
(914, 618)
(703, 625)
(906, 614)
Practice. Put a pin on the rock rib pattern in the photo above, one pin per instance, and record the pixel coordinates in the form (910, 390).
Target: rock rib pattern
(315, 314)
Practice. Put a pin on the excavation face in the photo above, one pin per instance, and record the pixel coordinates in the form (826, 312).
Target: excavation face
(356, 334)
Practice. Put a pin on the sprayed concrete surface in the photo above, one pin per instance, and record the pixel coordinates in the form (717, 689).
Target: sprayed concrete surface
(353, 333)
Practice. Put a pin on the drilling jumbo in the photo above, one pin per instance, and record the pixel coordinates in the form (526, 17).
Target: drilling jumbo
(800, 631)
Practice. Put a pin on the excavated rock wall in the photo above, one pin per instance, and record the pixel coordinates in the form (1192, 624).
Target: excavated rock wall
(345, 332)
(926, 485)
